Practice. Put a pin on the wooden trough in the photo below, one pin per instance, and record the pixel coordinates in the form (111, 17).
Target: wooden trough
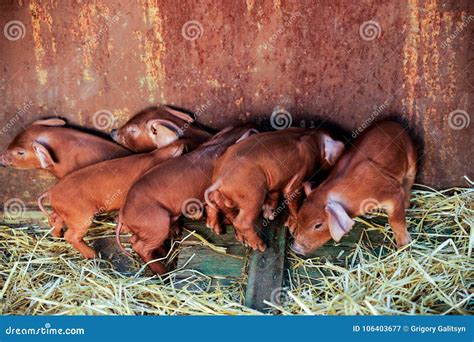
(267, 272)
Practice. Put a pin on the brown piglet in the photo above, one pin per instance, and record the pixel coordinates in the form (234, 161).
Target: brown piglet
(46, 144)
(267, 164)
(174, 188)
(96, 189)
(157, 127)
(378, 171)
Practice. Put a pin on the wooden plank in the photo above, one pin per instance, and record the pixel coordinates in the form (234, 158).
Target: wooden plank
(220, 240)
(222, 269)
(265, 270)
(28, 216)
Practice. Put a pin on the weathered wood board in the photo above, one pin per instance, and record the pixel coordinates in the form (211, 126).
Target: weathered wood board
(221, 268)
(266, 268)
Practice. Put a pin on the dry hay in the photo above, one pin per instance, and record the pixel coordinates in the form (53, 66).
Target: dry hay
(433, 275)
(42, 275)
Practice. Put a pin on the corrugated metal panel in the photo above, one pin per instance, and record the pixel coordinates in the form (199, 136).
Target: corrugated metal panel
(237, 61)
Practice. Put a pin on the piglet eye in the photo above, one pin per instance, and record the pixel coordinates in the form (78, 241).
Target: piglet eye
(21, 152)
(318, 225)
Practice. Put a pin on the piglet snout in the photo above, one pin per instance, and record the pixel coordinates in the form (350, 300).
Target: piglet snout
(297, 248)
(113, 133)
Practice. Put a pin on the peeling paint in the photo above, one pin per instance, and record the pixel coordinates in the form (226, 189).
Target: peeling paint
(430, 73)
(277, 5)
(422, 54)
(41, 16)
(153, 49)
(250, 4)
(86, 29)
(253, 56)
(122, 114)
(410, 58)
(213, 83)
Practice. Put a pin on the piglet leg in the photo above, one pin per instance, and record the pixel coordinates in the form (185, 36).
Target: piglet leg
(176, 229)
(74, 235)
(407, 185)
(245, 230)
(152, 232)
(212, 220)
(270, 205)
(292, 193)
(145, 251)
(396, 218)
(57, 223)
(229, 214)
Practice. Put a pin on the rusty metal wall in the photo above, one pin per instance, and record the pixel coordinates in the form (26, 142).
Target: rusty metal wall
(235, 60)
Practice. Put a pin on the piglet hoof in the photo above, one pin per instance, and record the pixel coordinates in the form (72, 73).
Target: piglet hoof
(291, 223)
(177, 230)
(58, 233)
(403, 241)
(89, 254)
(215, 226)
(157, 267)
(218, 229)
(258, 245)
(239, 237)
(268, 212)
(161, 252)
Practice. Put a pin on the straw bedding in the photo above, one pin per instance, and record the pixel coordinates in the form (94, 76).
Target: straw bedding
(41, 275)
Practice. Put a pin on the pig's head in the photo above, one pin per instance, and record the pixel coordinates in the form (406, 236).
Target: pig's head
(320, 219)
(147, 131)
(29, 149)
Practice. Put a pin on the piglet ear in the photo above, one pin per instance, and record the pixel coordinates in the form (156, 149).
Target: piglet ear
(163, 132)
(339, 222)
(308, 188)
(50, 122)
(248, 133)
(43, 155)
(153, 126)
(332, 149)
(179, 114)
